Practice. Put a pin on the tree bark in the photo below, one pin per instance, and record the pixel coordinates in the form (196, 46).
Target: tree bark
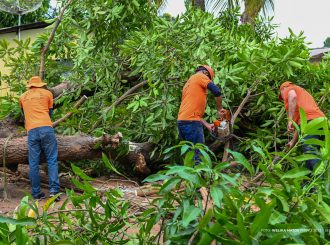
(251, 10)
(60, 88)
(199, 4)
(44, 50)
(71, 148)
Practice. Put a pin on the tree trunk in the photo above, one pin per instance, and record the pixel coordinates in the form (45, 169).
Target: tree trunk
(60, 88)
(199, 4)
(251, 11)
(71, 148)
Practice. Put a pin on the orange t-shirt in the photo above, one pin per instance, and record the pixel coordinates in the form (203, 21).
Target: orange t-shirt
(36, 103)
(304, 101)
(194, 95)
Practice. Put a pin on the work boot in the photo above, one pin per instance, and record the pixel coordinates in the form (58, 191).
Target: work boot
(40, 196)
(57, 199)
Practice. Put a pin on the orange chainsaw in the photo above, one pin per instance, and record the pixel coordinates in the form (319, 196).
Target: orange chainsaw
(221, 127)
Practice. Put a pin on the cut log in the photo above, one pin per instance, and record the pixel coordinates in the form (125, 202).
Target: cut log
(71, 148)
(65, 179)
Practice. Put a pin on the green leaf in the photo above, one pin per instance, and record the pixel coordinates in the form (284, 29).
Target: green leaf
(277, 218)
(305, 157)
(314, 124)
(110, 166)
(189, 159)
(217, 195)
(184, 149)
(314, 142)
(295, 173)
(205, 220)
(283, 201)
(242, 160)
(169, 185)
(242, 229)
(322, 208)
(23, 222)
(156, 177)
(303, 120)
(319, 169)
(80, 173)
(189, 214)
(262, 219)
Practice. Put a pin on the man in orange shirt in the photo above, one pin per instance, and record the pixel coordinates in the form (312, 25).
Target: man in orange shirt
(37, 104)
(193, 104)
(296, 97)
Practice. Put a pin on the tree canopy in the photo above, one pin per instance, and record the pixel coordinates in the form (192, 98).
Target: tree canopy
(105, 48)
(326, 42)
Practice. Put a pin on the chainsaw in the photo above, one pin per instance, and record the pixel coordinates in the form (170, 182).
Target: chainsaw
(221, 127)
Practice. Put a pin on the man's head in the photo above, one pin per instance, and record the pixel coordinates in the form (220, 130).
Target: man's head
(282, 87)
(207, 70)
(36, 82)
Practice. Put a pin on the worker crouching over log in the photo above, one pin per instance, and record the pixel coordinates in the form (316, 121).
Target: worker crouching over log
(37, 105)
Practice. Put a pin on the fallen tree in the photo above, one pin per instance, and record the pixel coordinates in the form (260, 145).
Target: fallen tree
(70, 148)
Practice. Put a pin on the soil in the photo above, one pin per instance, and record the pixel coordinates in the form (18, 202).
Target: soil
(18, 188)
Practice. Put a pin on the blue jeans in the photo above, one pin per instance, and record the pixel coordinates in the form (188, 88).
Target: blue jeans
(43, 139)
(311, 149)
(192, 131)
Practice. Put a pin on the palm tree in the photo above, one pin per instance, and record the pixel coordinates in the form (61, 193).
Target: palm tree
(199, 4)
(252, 8)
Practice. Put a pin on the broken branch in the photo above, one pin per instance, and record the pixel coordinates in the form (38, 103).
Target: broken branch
(118, 101)
(50, 39)
(69, 114)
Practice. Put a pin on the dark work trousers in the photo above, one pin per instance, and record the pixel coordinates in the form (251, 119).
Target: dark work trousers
(192, 131)
(311, 149)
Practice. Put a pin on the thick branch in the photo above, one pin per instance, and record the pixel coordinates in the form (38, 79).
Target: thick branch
(50, 39)
(70, 148)
(118, 101)
(246, 98)
(69, 114)
(237, 112)
(59, 89)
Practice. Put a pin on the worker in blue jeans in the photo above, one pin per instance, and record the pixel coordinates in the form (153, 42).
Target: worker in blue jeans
(193, 104)
(36, 104)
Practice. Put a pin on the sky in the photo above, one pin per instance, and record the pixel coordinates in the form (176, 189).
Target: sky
(312, 17)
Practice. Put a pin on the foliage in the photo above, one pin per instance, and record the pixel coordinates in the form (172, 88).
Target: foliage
(278, 211)
(43, 13)
(326, 42)
(106, 48)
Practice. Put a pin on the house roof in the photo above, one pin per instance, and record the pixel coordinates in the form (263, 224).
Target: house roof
(318, 51)
(35, 25)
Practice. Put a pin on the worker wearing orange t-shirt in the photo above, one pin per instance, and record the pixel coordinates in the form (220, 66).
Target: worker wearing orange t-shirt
(37, 104)
(294, 98)
(193, 104)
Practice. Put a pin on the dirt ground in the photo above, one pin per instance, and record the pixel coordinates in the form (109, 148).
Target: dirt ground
(18, 188)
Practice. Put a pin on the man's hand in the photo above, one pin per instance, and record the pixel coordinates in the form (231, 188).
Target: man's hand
(209, 127)
(222, 113)
(290, 127)
(291, 144)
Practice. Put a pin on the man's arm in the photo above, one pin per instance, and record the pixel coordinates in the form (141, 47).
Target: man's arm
(294, 140)
(292, 102)
(207, 125)
(216, 92)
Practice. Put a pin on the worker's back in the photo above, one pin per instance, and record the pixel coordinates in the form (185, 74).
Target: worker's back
(305, 101)
(194, 95)
(36, 103)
